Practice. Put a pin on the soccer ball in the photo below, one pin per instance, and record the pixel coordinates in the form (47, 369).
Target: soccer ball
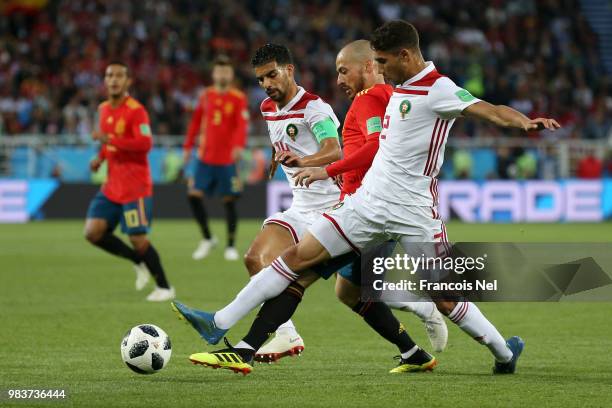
(146, 349)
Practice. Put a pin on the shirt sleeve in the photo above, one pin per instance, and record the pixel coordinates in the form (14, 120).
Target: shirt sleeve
(141, 131)
(242, 123)
(361, 158)
(449, 100)
(369, 111)
(321, 120)
(195, 124)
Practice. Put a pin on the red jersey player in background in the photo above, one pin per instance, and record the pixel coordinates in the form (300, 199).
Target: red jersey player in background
(126, 198)
(220, 121)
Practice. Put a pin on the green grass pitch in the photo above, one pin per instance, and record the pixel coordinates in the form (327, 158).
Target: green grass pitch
(65, 306)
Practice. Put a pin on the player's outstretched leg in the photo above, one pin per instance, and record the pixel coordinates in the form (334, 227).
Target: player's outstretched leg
(271, 241)
(273, 313)
(380, 318)
(267, 284)
(208, 242)
(348, 291)
(163, 291)
(270, 282)
(470, 319)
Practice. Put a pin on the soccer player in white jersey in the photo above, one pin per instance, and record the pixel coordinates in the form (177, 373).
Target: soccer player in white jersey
(398, 197)
(303, 133)
(296, 121)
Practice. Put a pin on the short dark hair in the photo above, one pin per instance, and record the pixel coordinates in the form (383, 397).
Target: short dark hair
(121, 64)
(222, 60)
(272, 52)
(395, 35)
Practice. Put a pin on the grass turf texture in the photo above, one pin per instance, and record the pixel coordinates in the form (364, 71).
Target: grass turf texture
(65, 306)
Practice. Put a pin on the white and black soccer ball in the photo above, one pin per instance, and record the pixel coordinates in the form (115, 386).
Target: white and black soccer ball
(146, 349)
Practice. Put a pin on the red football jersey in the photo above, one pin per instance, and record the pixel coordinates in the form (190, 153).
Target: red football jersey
(220, 119)
(362, 126)
(127, 125)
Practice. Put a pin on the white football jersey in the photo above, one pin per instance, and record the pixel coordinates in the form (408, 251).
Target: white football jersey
(290, 129)
(417, 122)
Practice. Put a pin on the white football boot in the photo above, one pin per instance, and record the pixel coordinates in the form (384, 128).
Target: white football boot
(282, 345)
(436, 329)
(204, 248)
(161, 294)
(231, 254)
(142, 275)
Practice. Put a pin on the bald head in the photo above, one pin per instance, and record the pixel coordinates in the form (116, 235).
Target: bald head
(358, 51)
(356, 68)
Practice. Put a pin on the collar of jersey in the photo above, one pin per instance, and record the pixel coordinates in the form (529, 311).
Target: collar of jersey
(429, 66)
(293, 100)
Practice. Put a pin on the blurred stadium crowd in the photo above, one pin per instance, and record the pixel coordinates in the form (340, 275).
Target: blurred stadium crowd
(536, 56)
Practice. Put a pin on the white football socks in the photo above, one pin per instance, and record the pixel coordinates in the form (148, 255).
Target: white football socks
(470, 319)
(270, 282)
(423, 309)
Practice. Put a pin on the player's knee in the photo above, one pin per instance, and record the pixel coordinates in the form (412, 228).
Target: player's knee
(139, 242)
(445, 306)
(291, 257)
(253, 262)
(93, 235)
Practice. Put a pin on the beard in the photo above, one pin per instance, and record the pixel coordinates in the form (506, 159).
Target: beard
(276, 94)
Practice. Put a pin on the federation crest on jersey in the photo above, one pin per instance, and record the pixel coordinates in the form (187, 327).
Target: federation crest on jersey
(405, 107)
(291, 131)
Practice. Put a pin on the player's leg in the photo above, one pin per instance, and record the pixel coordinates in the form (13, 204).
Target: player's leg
(201, 182)
(468, 317)
(230, 188)
(273, 314)
(380, 318)
(272, 280)
(348, 291)
(135, 222)
(465, 315)
(102, 218)
(268, 283)
(275, 236)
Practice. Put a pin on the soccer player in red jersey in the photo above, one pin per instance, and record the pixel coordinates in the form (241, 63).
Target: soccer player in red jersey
(126, 197)
(220, 120)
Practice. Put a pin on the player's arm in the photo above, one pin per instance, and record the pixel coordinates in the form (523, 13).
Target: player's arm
(241, 128)
(507, 117)
(141, 129)
(195, 125)
(97, 161)
(368, 112)
(326, 133)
